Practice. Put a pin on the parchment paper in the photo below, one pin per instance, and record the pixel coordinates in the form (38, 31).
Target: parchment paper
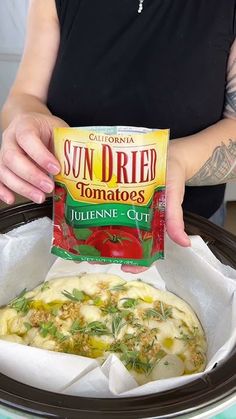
(193, 274)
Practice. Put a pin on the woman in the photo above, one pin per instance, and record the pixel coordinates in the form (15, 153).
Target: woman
(153, 63)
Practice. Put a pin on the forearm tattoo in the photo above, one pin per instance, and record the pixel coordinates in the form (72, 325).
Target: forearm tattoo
(219, 168)
(230, 93)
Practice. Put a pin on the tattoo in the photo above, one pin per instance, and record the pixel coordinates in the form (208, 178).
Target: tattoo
(230, 99)
(230, 93)
(219, 168)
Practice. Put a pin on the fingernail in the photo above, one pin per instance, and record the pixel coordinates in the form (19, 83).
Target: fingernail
(53, 169)
(8, 201)
(46, 186)
(37, 198)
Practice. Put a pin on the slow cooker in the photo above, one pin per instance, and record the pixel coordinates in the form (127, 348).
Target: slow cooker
(199, 399)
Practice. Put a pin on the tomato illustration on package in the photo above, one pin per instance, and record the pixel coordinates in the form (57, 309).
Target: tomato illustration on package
(109, 199)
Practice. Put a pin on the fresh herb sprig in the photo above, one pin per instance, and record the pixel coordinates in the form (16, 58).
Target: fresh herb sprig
(47, 328)
(119, 287)
(130, 356)
(50, 329)
(132, 360)
(76, 295)
(130, 302)
(93, 328)
(45, 286)
(97, 328)
(21, 303)
(117, 323)
(188, 337)
(110, 309)
(162, 314)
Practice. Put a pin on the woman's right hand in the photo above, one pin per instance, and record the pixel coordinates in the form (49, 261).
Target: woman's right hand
(26, 160)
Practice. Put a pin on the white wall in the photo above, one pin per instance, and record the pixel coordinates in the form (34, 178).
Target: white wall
(12, 25)
(8, 68)
(13, 15)
(230, 194)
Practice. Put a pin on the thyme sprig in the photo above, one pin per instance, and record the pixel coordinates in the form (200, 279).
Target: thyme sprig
(76, 295)
(60, 337)
(131, 356)
(119, 287)
(110, 309)
(117, 323)
(130, 302)
(93, 328)
(188, 337)
(132, 360)
(162, 314)
(45, 286)
(97, 328)
(47, 328)
(20, 303)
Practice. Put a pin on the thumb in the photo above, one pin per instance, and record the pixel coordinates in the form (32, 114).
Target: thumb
(174, 199)
(58, 122)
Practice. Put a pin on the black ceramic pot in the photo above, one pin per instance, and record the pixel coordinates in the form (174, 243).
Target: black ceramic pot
(193, 400)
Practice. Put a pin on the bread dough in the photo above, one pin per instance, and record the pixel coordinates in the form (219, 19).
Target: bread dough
(154, 333)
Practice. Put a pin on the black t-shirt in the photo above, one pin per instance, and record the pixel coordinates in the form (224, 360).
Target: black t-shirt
(163, 68)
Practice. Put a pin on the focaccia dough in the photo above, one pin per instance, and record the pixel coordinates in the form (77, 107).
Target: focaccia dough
(154, 333)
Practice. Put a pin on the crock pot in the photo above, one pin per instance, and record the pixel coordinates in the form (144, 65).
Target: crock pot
(199, 399)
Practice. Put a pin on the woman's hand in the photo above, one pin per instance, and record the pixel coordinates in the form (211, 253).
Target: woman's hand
(177, 174)
(176, 178)
(26, 158)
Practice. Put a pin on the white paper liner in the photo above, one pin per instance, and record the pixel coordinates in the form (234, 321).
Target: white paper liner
(193, 274)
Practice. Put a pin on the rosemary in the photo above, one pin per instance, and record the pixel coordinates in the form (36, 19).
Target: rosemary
(76, 327)
(129, 302)
(20, 303)
(132, 360)
(60, 337)
(47, 328)
(93, 328)
(131, 356)
(119, 287)
(76, 295)
(188, 337)
(110, 309)
(45, 286)
(117, 324)
(163, 314)
(97, 328)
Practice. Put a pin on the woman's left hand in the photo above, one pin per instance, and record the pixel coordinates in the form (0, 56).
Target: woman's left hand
(176, 177)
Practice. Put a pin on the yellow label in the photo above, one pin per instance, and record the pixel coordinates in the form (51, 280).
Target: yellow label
(120, 167)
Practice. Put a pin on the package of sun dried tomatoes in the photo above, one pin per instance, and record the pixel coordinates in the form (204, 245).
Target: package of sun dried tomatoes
(109, 200)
